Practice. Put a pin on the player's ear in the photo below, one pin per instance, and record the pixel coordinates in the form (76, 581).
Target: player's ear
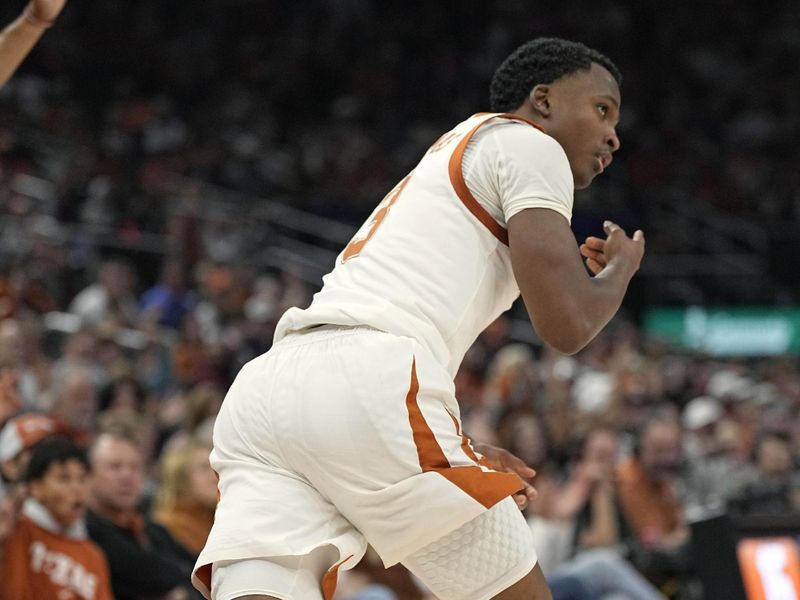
(540, 99)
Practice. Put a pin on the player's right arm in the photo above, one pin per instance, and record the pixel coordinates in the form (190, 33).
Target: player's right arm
(567, 307)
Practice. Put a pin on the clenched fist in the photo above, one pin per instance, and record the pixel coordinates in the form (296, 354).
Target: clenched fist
(616, 247)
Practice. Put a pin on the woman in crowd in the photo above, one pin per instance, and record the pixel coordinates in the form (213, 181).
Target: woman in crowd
(187, 496)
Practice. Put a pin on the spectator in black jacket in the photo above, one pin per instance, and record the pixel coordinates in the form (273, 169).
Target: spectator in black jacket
(146, 562)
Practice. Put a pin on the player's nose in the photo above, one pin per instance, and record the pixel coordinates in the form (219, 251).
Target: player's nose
(612, 140)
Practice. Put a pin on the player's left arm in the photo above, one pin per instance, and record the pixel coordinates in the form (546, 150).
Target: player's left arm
(502, 460)
(21, 35)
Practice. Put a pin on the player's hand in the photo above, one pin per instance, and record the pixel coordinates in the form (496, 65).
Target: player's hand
(616, 247)
(502, 460)
(47, 10)
(593, 250)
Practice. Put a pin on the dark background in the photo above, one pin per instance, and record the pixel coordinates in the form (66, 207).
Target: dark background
(325, 105)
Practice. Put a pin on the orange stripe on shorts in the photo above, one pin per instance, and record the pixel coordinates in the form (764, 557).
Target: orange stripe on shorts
(487, 487)
(431, 456)
(330, 579)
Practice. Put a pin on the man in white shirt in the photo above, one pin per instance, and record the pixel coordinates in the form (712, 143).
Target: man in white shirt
(348, 432)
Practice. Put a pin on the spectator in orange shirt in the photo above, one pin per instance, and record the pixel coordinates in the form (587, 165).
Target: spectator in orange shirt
(18, 436)
(646, 486)
(48, 555)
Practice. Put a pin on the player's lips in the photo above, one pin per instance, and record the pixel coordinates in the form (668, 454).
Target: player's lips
(603, 160)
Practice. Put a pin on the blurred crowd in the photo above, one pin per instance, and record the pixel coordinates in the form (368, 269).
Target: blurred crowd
(128, 303)
(327, 104)
(630, 438)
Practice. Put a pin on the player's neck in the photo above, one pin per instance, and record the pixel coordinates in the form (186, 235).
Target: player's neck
(528, 114)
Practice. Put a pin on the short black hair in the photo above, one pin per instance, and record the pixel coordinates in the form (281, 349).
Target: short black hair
(543, 60)
(50, 451)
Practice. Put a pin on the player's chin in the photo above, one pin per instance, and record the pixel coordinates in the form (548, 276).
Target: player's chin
(584, 180)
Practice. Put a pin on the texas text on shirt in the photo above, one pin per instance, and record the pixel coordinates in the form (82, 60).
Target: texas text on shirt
(42, 562)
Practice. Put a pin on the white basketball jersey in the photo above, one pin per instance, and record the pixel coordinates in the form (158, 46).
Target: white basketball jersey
(432, 262)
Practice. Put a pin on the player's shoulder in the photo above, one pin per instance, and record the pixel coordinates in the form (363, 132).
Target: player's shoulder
(517, 141)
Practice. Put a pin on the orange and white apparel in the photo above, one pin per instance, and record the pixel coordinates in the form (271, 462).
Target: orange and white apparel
(432, 262)
(42, 562)
(347, 431)
(25, 431)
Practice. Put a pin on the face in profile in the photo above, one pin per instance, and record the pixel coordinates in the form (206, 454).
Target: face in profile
(581, 112)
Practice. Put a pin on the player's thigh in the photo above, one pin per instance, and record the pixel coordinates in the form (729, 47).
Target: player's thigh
(268, 516)
(491, 556)
(281, 578)
(265, 509)
(379, 435)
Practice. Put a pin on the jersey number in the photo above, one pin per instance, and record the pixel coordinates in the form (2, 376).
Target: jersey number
(360, 240)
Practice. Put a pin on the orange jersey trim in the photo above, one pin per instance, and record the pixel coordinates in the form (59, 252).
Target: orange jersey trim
(487, 487)
(355, 246)
(331, 578)
(460, 185)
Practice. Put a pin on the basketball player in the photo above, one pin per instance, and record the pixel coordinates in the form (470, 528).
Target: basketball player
(347, 432)
(21, 35)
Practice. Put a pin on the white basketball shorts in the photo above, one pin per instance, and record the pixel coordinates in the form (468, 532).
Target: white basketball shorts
(342, 436)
